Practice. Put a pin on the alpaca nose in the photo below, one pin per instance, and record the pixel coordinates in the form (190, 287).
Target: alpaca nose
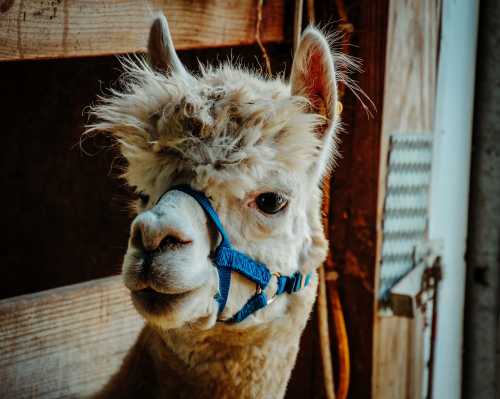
(150, 235)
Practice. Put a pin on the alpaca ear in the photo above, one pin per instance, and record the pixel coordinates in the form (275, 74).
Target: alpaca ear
(161, 49)
(313, 77)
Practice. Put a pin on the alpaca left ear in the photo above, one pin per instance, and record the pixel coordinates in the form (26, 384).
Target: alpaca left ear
(313, 77)
(161, 49)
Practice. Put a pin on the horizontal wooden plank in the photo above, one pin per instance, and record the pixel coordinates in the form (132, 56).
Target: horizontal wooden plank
(66, 341)
(32, 29)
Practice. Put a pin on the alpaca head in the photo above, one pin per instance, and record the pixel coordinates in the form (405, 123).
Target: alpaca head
(258, 148)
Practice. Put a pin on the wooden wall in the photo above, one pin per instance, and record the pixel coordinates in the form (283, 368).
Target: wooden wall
(65, 215)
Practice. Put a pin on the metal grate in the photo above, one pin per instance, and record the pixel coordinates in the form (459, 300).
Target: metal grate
(405, 207)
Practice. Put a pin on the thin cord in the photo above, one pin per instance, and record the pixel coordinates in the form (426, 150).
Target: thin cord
(324, 336)
(297, 24)
(258, 38)
(311, 15)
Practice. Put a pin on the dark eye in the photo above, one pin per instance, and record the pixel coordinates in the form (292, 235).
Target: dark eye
(271, 203)
(144, 198)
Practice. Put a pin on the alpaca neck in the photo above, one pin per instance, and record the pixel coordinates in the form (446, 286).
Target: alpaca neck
(254, 362)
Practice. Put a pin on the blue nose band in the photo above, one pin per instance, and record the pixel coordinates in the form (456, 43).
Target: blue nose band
(227, 260)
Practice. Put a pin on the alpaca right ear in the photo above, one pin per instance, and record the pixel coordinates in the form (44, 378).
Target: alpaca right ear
(161, 49)
(313, 77)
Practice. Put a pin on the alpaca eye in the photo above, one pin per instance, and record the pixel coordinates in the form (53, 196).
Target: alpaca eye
(271, 203)
(144, 198)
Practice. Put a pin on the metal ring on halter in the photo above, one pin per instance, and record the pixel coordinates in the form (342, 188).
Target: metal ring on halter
(258, 288)
(273, 298)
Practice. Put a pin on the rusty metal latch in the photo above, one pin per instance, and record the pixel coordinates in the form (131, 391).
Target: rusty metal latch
(418, 288)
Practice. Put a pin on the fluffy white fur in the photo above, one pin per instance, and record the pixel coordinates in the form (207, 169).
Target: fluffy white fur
(233, 135)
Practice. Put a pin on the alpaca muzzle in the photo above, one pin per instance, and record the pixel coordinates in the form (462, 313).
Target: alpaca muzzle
(227, 259)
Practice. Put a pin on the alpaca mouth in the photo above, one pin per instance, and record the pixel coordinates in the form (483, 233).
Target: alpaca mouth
(155, 302)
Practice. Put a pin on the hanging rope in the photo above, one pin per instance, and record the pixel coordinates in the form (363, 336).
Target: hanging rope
(347, 28)
(311, 14)
(297, 24)
(324, 335)
(258, 39)
(341, 338)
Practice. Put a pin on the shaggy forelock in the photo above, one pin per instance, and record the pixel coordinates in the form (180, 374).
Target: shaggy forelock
(224, 117)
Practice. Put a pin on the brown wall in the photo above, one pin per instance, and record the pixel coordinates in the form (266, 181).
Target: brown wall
(64, 218)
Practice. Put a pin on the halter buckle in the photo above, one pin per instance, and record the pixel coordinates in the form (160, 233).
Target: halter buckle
(273, 298)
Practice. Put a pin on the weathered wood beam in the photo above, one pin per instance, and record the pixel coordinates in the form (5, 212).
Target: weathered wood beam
(66, 341)
(409, 93)
(33, 29)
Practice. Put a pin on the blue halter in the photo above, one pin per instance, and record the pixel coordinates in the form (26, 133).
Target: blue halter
(228, 259)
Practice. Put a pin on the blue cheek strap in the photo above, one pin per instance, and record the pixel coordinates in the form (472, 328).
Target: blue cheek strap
(227, 259)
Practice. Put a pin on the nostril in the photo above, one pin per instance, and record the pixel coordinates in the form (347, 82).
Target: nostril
(136, 239)
(155, 237)
(146, 242)
(172, 241)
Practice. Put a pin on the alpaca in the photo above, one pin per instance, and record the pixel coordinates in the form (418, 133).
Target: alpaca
(257, 149)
